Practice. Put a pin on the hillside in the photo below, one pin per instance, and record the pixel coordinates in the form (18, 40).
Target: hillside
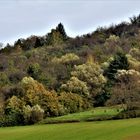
(55, 74)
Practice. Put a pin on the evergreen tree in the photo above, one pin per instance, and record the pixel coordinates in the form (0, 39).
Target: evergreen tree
(61, 30)
(120, 62)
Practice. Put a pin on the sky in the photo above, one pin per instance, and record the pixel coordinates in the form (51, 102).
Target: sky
(22, 18)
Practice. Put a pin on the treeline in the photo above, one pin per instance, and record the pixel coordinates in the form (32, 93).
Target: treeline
(55, 75)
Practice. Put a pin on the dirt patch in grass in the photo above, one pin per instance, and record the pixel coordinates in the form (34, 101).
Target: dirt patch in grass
(134, 137)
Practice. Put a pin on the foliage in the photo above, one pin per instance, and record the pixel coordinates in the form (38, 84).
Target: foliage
(91, 74)
(72, 102)
(126, 90)
(66, 59)
(56, 36)
(75, 85)
(32, 114)
(34, 70)
(119, 62)
(3, 79)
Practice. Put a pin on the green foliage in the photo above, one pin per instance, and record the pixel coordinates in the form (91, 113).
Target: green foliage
(3, 79)
(133, 63)
(34, 70)
(135, 20)
(75, 85)
(91, 74)
(61, 29)
(72, 102)
(57, 36)
(69, 58)
(120, 62)
(32, 114)
(14, 110)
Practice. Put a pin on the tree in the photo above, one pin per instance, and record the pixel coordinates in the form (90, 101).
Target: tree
(68, 59)
(3, 79)
(126, 90)
(72, 102)
(133, 62)
(119, 62)
(57, 36)
(135, 20)
(2, 104)
(91, 74)
(75, 85)
(14, 109)
(112, 45)
(60, 28)
(34, 70)
(37, 94)
(32, 114)
(33, 89)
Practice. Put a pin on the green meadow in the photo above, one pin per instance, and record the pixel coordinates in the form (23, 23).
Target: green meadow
(99, 112)
(101, 130)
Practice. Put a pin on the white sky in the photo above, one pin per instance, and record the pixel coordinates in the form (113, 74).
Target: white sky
(22, 18)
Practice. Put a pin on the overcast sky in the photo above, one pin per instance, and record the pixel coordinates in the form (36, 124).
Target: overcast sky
(22, 18)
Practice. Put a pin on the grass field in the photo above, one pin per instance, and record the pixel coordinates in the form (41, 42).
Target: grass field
(92, 113)
(101, 130)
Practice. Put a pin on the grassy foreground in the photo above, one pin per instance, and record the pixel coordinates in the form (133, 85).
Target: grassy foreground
(103, 130)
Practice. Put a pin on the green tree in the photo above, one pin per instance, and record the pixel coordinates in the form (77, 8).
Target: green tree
(73, 102)
(57, 36)
(14, 109)
(4, 80)
(34, 70)
(92, 75)
(32, 114)
(119, 62)
(75, 85)
(60, 28)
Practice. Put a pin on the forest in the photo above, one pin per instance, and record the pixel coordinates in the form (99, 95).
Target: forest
(55, 75)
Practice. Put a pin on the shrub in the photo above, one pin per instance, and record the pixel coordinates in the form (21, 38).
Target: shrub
(128, 114)
(32, 114)
(72, 102)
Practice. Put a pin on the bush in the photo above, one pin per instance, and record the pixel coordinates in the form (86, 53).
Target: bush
(128, 114)
(32, 114)
(11, 120)
(73, 102)
(37, 114)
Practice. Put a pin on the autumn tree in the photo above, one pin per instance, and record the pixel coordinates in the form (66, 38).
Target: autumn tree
(37, 94)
